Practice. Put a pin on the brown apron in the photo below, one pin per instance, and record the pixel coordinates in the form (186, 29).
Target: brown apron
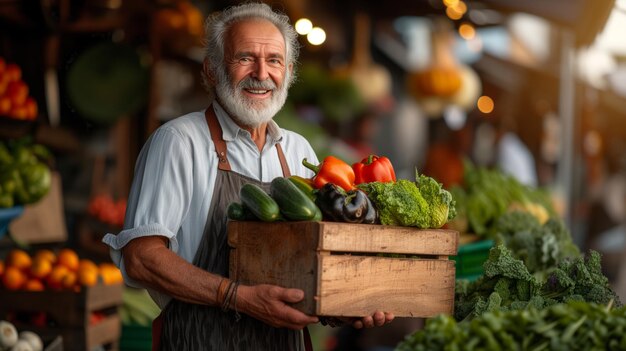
(186, 326)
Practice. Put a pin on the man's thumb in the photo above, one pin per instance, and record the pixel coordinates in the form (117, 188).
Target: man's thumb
(294, 295)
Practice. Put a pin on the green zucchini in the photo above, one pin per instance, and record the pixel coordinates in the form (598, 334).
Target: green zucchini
(294, 204)
(304, 184)
(259, 202)
(238, 212)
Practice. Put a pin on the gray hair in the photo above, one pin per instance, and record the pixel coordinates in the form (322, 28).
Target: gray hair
(217, 25)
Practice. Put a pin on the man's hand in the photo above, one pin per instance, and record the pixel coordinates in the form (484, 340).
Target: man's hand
(271, 305)
(377, 319)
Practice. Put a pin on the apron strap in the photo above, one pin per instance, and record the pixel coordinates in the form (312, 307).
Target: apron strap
(216, 135)
(215, 129)
(157, 329)
(308, 343)
(283, 161)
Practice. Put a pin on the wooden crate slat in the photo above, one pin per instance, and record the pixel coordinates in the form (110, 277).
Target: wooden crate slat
(351, 285)
(105, 296)
(387, 239)
(105, 332)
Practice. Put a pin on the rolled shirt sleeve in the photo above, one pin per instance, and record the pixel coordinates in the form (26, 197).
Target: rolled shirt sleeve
(160, 194)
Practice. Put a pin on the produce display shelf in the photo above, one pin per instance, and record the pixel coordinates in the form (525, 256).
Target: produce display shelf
(470, 259)
(70, 314)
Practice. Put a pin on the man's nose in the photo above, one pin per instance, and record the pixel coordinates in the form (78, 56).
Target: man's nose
(259, 71)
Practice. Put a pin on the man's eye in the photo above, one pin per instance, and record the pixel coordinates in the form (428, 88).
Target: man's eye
(275, 62)
(246, 60)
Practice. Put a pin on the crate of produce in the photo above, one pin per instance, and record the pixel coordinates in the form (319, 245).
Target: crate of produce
(470, 259)
(85, 320)
(349, 269)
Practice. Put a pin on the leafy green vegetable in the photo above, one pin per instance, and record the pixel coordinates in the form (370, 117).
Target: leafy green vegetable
(487, 194)
(541, 247)
(508, 285)
(423, 203)
(574, 325)
(580, 278)
(399, 203)
(24, 174)
(442, 206)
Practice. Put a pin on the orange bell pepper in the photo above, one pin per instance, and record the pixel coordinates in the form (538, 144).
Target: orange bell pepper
(374, 169)
(332, 170)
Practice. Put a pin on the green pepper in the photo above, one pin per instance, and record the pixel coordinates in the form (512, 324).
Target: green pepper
(353, 206)
(5, 156)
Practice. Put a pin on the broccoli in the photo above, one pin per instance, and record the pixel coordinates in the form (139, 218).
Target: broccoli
(423, 204)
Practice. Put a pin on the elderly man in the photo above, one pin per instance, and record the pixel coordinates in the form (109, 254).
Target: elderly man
(174, 238)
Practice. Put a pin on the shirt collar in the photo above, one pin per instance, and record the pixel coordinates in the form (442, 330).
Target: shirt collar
(230, 129)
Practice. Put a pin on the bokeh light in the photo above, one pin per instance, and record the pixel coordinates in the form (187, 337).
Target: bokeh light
(485, 104)
(317, 36)
(303, 26)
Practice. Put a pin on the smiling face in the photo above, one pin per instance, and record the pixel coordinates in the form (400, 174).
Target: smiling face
(251, 86)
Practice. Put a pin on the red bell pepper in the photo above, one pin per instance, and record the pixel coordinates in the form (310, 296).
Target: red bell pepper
(374, 169)
(332, 170)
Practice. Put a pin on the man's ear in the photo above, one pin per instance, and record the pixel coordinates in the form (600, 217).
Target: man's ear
(207, 71)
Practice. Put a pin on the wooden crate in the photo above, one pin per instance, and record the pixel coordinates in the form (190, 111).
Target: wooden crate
(340, 270)
(70, 313)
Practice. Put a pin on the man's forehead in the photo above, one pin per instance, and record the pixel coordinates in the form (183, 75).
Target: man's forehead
(254, 34)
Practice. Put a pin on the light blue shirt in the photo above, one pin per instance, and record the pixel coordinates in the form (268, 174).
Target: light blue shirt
(175, 177)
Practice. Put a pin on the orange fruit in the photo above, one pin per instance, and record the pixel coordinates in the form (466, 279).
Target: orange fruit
(19, 259)
(13, 278)
(87, 277)
(110, 274)
(87, 273)
(55, 278)
(34, 285)
(69, 259)
(40, 268)
(85, 264)
(69, 281)
(45, 254)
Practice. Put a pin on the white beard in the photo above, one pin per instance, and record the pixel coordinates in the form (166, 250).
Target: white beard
(247, 111)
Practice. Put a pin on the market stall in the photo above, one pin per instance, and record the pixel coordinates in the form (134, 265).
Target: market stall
(504, 206)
